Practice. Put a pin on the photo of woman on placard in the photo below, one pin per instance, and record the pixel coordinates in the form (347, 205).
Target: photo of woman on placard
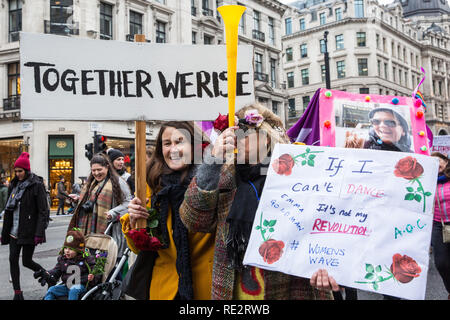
(389, 131)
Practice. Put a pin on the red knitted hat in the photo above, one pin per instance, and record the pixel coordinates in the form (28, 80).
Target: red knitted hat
(23, 161)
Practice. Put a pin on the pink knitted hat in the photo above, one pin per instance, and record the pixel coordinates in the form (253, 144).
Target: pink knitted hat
(23, 161)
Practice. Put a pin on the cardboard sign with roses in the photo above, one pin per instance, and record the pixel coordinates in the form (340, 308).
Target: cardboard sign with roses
(364, 215)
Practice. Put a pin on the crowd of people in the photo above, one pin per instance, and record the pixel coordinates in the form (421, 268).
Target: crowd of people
(205, 213)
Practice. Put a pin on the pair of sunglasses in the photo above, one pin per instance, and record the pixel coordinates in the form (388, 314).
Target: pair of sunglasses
(387, 123)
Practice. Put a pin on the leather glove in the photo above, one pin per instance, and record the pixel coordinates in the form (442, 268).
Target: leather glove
(45, 278)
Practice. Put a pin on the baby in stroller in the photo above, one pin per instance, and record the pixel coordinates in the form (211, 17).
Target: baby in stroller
(74, 266)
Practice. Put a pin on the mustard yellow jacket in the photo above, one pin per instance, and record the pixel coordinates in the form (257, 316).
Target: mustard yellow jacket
(164, 283)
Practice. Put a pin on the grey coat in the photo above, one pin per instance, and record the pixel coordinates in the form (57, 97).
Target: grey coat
(118, 211)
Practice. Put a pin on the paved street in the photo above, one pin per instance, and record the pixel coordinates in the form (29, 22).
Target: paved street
(46, 254)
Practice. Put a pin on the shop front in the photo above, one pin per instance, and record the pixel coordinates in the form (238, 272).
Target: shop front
(126, 146)
(10, 149)
(60, 163)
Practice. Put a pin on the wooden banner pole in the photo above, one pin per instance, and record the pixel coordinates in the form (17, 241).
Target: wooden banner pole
(140, 152)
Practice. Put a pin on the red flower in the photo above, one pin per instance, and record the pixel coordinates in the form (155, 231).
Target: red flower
(221, 123)
(404, 268)
(284, 164)
(143, 241)
(408, 168)
(271, 250)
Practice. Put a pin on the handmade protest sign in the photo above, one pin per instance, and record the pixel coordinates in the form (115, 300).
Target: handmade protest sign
(78, 79)
(364, 215)
(344, 119)
(441, 144)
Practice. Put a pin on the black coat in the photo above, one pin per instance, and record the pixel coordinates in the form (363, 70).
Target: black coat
(33, 215)
(61, 269)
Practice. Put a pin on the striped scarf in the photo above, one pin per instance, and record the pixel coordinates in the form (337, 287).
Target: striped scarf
(96, 221)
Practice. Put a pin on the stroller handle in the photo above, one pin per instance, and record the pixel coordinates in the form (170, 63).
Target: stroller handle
(108, 228)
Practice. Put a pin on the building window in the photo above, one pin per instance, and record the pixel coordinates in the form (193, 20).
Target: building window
(303, 50)
(13, 79)
(288, 25)
(359, 8)
(361, 39)
(305, 100)
(379, 67)
(61, 18)
(106, 30)
(242, 22)
(340, 65)
(340, 42)
(322, 45)
(322, 18)
(271, 31)
(288, 54)
(206, 9)
(302, 24)
(256, 20)
(386, 70)
(207, 39)
(258, 63)
(291, 111)
(135, 23)
(161, 32)
(362, 67)
(290, 79)
(194, 37)
(273, 73)
(364, 90)
(338, 13)
(305, 76)
(15, 19)
(275, 107)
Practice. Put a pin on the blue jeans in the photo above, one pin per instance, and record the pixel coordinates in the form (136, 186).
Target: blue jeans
(62, 290)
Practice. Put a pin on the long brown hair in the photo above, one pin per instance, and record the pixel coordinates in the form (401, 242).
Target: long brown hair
(157, 166)
(446, 171)
(103, 160)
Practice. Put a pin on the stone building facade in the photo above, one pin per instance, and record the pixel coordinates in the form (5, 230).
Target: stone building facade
(373, 49)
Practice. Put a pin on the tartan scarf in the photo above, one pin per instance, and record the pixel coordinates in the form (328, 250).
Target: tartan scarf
(96, 222)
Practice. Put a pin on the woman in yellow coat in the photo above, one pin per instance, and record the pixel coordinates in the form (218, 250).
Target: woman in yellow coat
(182, 268)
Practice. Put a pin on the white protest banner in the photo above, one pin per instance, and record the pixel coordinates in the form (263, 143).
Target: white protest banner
(441, 144)
(66, 78)
(364, 215)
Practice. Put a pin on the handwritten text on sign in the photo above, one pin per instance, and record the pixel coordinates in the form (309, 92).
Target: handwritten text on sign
(114, 80)
(364, 215)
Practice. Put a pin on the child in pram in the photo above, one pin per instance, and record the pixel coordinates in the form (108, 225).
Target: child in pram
(74, 265)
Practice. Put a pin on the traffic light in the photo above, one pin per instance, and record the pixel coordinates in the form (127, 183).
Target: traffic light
(89, 150)
(99, 143)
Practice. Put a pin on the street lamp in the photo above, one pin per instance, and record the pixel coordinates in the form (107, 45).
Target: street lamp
(327, 61)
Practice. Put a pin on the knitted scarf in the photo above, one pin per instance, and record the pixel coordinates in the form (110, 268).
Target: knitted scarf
(171, 196)
(249, 183)
(95, 222)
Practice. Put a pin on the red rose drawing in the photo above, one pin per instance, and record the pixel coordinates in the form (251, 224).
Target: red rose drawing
(404, 268)
(271, 250)
(408, 168)
(221, 123)
(284, 164)
(143, 241)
